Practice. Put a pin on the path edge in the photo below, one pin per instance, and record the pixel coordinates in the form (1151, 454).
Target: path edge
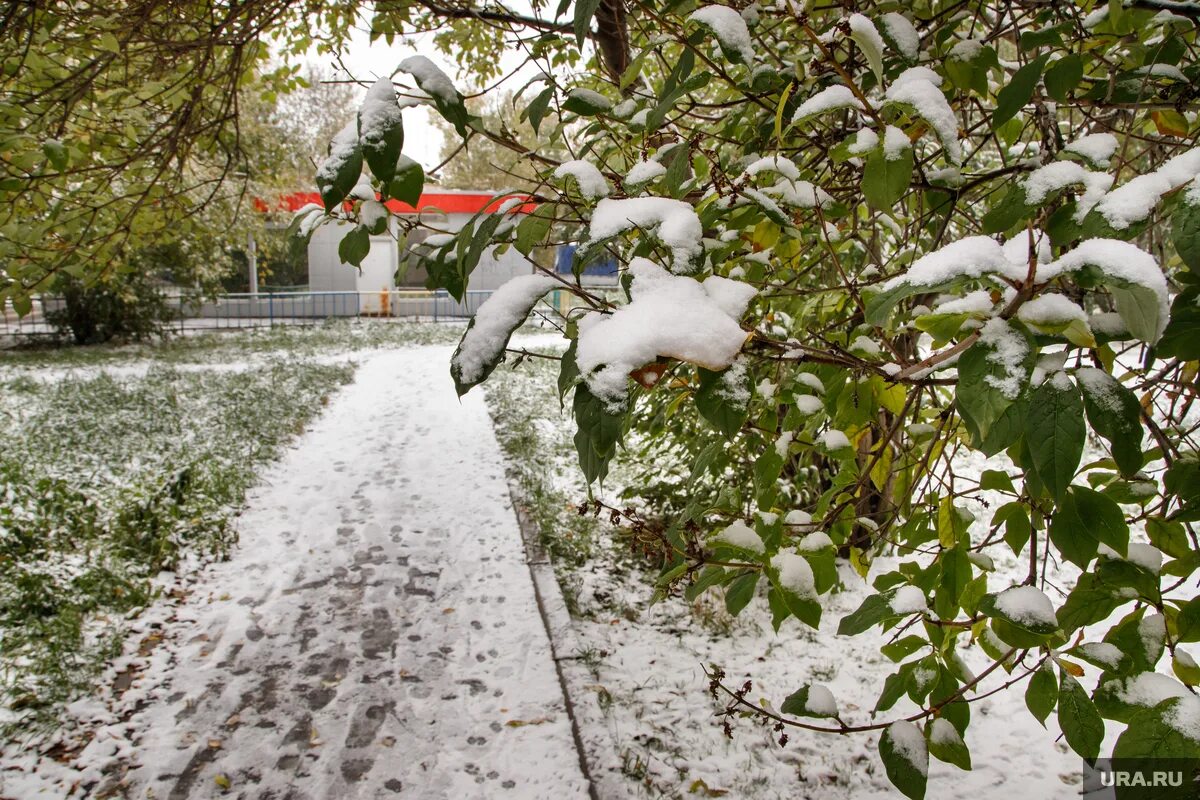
(556, 619)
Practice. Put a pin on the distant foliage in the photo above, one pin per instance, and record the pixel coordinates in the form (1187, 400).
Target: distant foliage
(862, 252)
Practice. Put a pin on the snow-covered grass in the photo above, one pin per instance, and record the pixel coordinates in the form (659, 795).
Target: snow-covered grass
(122, 467)
(108, 482)
(334, 336)
(637, 679)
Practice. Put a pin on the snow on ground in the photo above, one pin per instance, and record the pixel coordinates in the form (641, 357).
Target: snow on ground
(376, 632)
(637, 678)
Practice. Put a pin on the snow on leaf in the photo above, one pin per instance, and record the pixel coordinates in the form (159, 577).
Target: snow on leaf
(673, 222)
(668, 315)
(730, 29)
(592, 185)
(487, 336)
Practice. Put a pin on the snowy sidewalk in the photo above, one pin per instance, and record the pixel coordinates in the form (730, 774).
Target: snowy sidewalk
(375, 633)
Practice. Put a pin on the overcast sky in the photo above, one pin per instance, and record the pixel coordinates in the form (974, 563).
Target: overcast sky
(368, 61)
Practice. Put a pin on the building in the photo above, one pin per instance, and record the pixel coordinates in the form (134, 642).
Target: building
(380, 290)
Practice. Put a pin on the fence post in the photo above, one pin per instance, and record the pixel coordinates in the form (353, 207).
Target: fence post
(270, 309)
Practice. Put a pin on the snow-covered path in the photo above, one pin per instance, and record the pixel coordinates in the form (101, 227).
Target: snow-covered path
(376, 632)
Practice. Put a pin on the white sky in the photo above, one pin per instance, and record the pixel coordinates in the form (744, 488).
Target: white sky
(368, 61)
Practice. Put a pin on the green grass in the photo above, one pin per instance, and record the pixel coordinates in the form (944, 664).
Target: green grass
(106, 482)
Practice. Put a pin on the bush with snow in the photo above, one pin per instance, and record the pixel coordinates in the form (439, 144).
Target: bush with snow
(856, 247)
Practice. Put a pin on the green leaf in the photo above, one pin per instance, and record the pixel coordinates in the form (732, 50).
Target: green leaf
(535, 112)
(1077, 716)
(599, 431)
(886, 180)
(739, 593)
(903, 648)
(408, 181)
(1181, 339)
(1114, 412)
(1012, 209)
(979, 399)
(1041, 695)
(724, 406)
(1013, 96)
(381, 130)
(582, 23)
(945, 744)
(1084, 519)
(873, 610)
(338, 173)
(463, 385)
(1139, 308)
(870, 49)
(993, 605)
(1151, 734)
(997, 481)
(1187, 623)
(1063, 76)
(355, 245)
(56, 154)
(1169, 537)
(533, 230)
(1088, 603)
(1055, 432)
(905, 758)
(586, 104)
(568, 372)
(796, 704)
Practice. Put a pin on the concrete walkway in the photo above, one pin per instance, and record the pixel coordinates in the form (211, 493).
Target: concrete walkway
(376, 632)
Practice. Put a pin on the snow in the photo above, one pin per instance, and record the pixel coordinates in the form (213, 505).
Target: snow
(942, 731)
(1152, 630)
(797, 517)
(1026, 605)
(1050, 309)
(1135, 201)
(971, 257)
(865, 141)
(795, 574)
(1120, 260)
(1102, 653)
(834, 440)
(740, 535)
(644, 172)
(821, 701)
(830, 98)
(592, 185)
(966, 49)
(866, 29)
(1061, 174)
(368, 632)
(1097, 148)
(1162, 71)
(591, 98)
(902, 32)
(811, 381)
(430, 78)
(674, 221)
(779, 164)
(783, 443)
(801, 194)
(1146, 556)
(378, 113)
(909, 743)
(1007, 350)
(1184, 716)
(866, 346)
(976, 302)
(918, 87)
(729, 28)
(668, 315)
(1149, 689)
(908, 599)
(814, 542)
(895, 143)
(342, 149)
(506, 308)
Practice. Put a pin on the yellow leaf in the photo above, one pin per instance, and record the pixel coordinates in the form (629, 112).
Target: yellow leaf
(860, 561)
(1071, 667)
(222, 780)
(1170, 122)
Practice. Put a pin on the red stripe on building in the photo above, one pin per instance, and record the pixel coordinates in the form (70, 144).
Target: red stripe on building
(446, 202)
